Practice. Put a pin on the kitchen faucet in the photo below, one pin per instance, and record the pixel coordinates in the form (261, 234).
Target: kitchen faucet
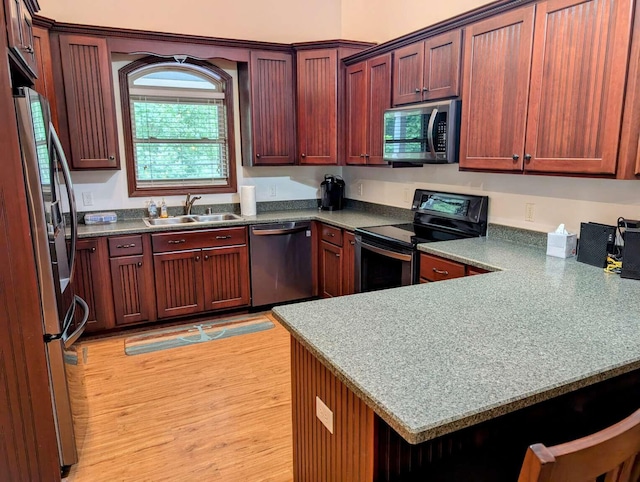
(188, 204)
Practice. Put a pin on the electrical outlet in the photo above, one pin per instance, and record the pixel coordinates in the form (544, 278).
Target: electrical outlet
(407, 196)
(87, 199)
(273, 191)
(359, 189)
(529, 212)
(324, 414)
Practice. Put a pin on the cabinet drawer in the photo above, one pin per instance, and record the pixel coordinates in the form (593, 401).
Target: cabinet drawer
(211, 238)
(332, 235)
(437, 269)
(125, 246)
(472, 270)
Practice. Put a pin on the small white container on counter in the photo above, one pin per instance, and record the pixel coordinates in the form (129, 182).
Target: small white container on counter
(561, 244)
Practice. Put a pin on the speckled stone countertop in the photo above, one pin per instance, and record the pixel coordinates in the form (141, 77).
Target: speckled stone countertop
(347, 219)
(434, 358)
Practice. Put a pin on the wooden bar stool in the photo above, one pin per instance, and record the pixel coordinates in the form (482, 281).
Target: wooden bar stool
(611, 455)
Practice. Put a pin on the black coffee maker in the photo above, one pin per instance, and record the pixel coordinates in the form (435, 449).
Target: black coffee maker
(332, 193)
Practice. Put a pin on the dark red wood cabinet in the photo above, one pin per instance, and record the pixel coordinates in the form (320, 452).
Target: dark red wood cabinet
(368, 94)
(91, 282)
(85, 64)
(44, 83)
(427, 70)
(532, 103)
(20, 35)
(330, 270)
(349, 277)
(267, 101)
(201, 271)
(336, 261)
(132, 279)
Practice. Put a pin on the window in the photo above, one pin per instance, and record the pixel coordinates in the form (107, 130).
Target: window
(178, 126)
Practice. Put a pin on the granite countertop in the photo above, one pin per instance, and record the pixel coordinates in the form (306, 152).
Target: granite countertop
(434, 358)
(347, 219)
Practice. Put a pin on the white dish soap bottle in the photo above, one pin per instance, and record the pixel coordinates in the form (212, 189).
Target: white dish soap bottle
(153, 209)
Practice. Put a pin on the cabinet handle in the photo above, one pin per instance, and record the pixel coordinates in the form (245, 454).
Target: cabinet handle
(443, 273)
(28, 49)
(112, 158)
(425, 89)
(362, 155)
(177, 241)
(139, 264)
(515, 157)
(223, 237)
(352, 243)
(197, 258)
(93, 250)
(132, 245)
(258, 156)
(527, 157)
(417, 90)
(337, 255)
(331, 234)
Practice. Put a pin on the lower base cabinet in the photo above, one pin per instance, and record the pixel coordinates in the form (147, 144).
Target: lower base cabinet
(337, 262)
(435, 268)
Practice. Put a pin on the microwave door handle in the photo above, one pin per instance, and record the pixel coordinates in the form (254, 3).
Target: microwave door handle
(72, 200)
(432, 121)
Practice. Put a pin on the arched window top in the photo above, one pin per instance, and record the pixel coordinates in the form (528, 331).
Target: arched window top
(172, 75)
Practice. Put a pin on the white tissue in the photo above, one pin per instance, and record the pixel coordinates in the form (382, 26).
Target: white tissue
(560, 230)
(248, 200)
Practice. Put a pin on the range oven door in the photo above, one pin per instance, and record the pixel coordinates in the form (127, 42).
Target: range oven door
(381, 265)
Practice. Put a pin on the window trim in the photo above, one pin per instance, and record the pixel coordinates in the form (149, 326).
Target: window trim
(134, 190)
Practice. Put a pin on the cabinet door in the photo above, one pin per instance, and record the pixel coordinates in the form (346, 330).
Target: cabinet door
(20, 34)
(132, 287)
(44, 83)
(226, 277)
(178, 278)
(91, 283)
(331, 272)
(86, 69)
(318, 106)
(379, 93)
(408, 67)
(497, 59)
(577, 85)
(442, 66)
(272, 108)
(349, 267)
(357, 113)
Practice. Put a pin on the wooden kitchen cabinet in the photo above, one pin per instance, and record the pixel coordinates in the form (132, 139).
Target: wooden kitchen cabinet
(201, 271)
(336, 261)
(88, 93)
(434, 268)
(91, 283)
(20, 34)
(44, 83)
(267, 102)
(132, 279)
(368, 94)
(550, 101)
(427, 70)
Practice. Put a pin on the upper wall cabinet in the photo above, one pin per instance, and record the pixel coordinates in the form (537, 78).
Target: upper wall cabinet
(20, 35)
(88, 92)
(427, 70)
(368, 94)
(267, 109)
(550, 101)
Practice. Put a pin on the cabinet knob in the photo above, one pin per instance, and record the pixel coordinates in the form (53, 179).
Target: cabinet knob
(139, 264)
(527, 157)
(303, 155)
(331, 234)
(352, 243)
(112, 158)
(417, 90)
(258, 156)
(93, 250)
(515, 157)
(337, 255)
(425, 89)
(362, 155)
(206, 257)
(197, 258)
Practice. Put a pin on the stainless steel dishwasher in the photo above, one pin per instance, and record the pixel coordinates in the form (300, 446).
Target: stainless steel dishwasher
(280, 262)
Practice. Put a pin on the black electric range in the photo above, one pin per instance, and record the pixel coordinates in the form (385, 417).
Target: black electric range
(387, 256)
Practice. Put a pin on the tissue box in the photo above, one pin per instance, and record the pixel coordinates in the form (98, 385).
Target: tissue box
(561, 245)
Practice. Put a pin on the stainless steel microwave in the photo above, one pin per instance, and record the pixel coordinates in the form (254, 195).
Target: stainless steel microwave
(423, 133)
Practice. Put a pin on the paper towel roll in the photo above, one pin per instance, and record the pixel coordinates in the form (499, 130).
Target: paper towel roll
(248, 200)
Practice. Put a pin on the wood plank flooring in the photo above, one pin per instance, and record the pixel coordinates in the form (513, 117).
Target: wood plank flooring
(214, 411)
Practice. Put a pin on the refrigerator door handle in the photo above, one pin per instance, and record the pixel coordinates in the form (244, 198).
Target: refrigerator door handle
(70, 196)
(69, 339)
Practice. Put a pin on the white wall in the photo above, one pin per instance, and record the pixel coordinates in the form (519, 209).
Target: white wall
(109, 188)
(556, 199)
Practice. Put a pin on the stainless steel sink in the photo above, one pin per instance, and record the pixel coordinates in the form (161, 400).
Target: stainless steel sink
(169, 221)
(191, 219)
(211, 218)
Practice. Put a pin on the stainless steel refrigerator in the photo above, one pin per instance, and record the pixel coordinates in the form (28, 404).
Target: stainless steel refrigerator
(54, 233)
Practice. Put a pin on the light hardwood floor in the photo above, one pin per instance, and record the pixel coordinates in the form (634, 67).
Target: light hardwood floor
(214, 411)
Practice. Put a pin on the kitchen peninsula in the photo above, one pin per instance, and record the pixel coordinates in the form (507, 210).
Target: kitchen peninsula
(431, 380)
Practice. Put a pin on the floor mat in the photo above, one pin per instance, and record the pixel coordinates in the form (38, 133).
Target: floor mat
(197, 333)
